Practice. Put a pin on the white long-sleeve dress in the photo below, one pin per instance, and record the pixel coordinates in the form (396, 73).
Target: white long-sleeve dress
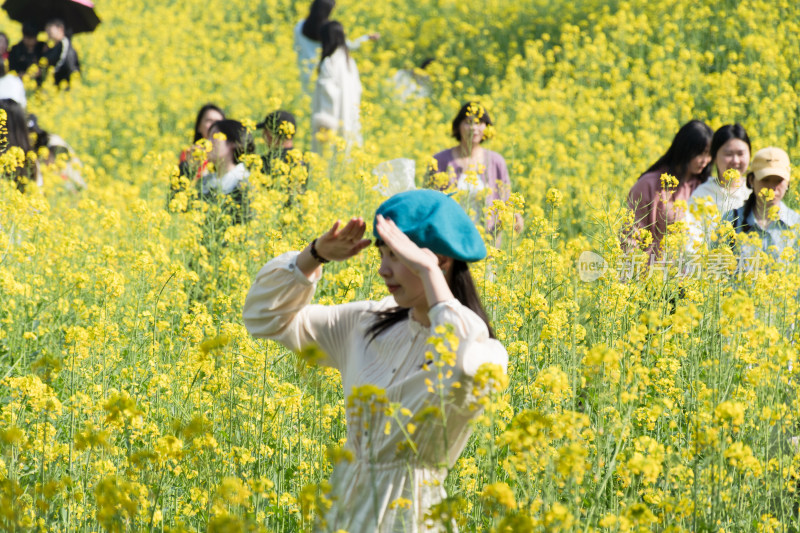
(278, 307)
(337, 99)
(308, 54)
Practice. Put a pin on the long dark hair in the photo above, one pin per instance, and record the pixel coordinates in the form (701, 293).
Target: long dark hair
(317, 16)
(747, 208)
(463, 288)
(725, 134)
(237, 135)
(332, 38)
(199, 119)
(691, 140)
(17, 135)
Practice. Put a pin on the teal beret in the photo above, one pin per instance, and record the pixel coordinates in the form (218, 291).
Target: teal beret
(433, 220)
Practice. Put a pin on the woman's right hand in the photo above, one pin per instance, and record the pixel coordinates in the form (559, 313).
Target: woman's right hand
(341, 243)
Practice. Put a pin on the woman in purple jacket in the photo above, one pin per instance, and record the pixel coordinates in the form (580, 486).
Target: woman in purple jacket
(479, 174)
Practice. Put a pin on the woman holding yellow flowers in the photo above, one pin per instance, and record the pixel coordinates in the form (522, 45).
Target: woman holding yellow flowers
(672, 178)
(764, 214)
(480, 173)
(409, 363)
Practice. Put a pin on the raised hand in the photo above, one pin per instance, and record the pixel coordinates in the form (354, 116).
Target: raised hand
(420, 261)
(340, 243)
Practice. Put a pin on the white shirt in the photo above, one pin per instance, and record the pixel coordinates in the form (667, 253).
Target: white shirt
(410, 85)
(226, 183)
(337, 98)
(700, 230)
(278, 307)
(308, 52)
(11, 87)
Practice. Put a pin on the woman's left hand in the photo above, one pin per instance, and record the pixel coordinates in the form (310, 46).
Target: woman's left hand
(419, 260)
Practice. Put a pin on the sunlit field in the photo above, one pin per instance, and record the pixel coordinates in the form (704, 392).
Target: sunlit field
(133, 398)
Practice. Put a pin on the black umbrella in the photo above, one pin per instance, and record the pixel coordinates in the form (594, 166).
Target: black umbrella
(78, 15)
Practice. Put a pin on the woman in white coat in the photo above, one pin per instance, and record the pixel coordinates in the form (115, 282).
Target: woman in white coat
(307, 40)
(386, 357)
(337, 96)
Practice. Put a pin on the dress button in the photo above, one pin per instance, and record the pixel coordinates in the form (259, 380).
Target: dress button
(394, 370)
(291, 266)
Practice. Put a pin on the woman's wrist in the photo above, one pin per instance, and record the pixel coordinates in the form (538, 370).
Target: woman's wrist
(307, 263)
(312, 248)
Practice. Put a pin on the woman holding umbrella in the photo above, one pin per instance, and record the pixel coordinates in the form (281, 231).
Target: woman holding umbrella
(61, 19)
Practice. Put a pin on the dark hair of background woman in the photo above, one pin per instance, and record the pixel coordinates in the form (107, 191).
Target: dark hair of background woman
(17, 128)
(236, 134)
(318, 15)
(462, 114)
(199, 119)
(691, 140)
(725, 134)
(332, 38)
(463, 288)
(749, 204)
(16, 124)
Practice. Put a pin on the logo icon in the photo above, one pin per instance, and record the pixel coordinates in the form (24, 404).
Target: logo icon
(591, 266)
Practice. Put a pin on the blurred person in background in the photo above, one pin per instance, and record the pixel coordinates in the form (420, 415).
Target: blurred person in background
(60, 157)
(763, 213)
(413, 83)
(228, 181)
(308, 40)
(193, 163)
(480, 173)
(337, 97)
(278, 130)
(282, 162)
(4, 44)
(11, 86)
(27, 53)
(730, 150)
(19, 144)
(206, 116)
(653, 202)
(62, 56)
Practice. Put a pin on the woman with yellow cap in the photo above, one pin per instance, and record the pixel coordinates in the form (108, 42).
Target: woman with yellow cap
(425, 240)
(764, 212)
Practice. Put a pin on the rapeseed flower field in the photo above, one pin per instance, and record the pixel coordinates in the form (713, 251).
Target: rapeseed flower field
(133, 398)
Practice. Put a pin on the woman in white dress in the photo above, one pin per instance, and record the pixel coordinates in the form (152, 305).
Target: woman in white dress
(337, 96)
(425, 240)
(307, 40)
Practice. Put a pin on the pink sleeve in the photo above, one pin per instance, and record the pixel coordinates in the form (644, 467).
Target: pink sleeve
(641, 202)
(442, 161)
(503, 184)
